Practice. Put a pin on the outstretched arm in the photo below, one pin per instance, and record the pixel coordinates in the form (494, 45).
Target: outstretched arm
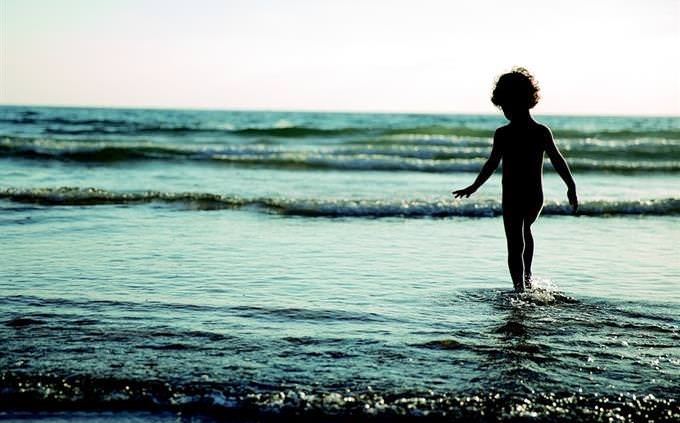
(486, 172)
(562, 169)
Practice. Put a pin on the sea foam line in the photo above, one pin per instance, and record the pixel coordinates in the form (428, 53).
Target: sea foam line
(331, 207)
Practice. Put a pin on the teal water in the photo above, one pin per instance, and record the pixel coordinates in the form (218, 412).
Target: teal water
(314, 265)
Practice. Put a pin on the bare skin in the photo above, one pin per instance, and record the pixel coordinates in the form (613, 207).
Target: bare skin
(521, 145)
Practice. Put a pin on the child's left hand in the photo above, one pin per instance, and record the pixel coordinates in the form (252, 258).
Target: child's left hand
(573, 200)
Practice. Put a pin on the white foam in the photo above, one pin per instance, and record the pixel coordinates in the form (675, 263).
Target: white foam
(543, 291)
(336, 207)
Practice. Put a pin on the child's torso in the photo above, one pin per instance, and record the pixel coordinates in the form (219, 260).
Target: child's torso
(523, 149)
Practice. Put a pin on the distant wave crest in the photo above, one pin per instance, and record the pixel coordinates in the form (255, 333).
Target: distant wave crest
(436, 157)
(80, 125)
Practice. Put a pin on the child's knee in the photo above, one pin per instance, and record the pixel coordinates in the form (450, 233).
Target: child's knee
(515, 243)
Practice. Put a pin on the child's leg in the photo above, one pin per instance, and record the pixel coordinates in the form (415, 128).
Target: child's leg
(528, 252)
(515, 239)
(529, 240)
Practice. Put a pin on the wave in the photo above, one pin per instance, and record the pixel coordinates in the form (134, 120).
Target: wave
(391, 163)
(87, 151)
(364, 208)
(34, 118)
(623, 134)
(298, 131)
(245, 311)
(50, 391)
(64, 126)
(137, 123)
(75, 126)
(453, 157)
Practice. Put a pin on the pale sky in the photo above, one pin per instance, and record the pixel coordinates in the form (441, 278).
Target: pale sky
(590, 56)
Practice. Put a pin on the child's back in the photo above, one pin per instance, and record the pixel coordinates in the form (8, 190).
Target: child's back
(520, 145)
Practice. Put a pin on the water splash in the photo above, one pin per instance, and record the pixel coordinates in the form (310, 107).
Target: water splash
(542, 291)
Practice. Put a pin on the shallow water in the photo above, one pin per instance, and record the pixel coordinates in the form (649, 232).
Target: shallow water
(257, 288)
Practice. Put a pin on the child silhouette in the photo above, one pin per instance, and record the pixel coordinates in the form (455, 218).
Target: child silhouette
(521, 144)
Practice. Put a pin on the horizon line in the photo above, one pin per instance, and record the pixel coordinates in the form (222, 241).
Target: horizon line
(338, 111)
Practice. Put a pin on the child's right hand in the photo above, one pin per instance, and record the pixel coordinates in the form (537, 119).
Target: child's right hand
(465, 192)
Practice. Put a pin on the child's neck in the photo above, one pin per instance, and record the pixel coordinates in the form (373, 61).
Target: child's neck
(522, 119)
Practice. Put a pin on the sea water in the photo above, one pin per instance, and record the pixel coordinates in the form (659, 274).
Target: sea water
(315, 265)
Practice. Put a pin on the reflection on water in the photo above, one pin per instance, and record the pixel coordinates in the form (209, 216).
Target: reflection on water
(530, 357)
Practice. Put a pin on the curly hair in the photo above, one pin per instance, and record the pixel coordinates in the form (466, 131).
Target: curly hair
(518, 88)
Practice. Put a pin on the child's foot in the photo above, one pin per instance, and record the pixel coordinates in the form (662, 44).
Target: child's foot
(527, 281)
(519, 287)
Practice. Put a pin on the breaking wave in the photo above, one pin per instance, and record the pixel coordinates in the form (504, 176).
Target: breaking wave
(366, 208)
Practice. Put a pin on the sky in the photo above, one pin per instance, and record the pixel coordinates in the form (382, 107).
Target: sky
(607, 57)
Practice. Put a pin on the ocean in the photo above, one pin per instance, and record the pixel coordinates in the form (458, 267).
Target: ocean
(200, 265)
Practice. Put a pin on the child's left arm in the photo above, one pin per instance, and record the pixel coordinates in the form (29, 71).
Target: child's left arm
(562, 169)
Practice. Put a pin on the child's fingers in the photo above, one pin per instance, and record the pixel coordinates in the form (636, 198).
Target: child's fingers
(461, 193)
(574, 206)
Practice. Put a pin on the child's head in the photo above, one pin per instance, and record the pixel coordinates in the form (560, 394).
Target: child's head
(515, 91)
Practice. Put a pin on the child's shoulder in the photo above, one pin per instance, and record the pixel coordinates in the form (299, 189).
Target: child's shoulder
(501, 130)
(543, 129)
(543, 134)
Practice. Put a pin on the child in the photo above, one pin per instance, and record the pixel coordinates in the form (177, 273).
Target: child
(521, 145)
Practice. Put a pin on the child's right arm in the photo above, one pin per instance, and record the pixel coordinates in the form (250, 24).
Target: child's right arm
(487, 170)
(562, 169)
